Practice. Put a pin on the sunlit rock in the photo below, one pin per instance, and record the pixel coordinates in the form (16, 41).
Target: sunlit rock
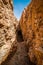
(31, 24)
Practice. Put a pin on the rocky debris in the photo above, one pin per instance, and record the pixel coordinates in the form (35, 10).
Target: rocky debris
(31, 24)
(20, 57)
(8, 25)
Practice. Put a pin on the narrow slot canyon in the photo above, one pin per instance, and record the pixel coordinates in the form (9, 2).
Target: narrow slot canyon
(21, 42)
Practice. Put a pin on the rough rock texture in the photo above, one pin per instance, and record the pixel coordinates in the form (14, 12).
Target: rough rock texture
(8, 24)
(31, 24)
(20, 57)
(12, 39)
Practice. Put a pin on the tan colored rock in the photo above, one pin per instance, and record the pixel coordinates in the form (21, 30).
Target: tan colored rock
(31, 24)
(8, 24)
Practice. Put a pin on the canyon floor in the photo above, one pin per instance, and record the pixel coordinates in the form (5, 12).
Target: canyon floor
(20, 57)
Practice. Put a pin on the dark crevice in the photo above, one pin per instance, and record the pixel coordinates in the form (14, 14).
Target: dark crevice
(19, 35)
(5, 2)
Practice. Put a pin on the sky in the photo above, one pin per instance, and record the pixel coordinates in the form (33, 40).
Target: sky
(19, 6)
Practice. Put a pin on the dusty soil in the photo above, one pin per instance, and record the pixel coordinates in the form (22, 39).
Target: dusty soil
(18, 58)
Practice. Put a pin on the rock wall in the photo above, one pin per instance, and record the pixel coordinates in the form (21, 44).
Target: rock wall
(8, 25)
(31, 24)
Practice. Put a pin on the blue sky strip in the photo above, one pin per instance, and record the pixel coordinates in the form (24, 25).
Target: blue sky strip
(19, 6)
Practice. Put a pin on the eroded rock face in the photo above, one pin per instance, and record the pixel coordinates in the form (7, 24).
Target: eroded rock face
(31, 24)
(8, 24)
